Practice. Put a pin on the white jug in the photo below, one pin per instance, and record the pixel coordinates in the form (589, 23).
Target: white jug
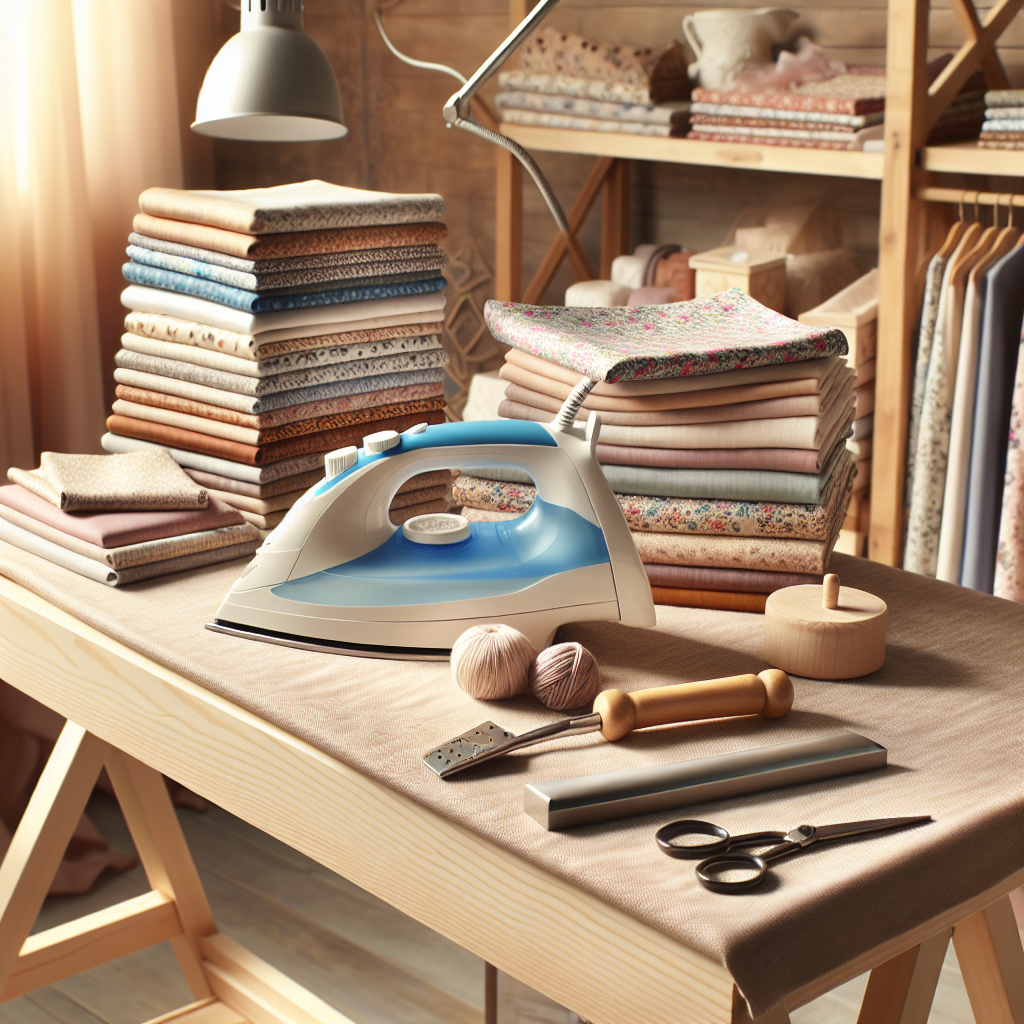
(729, 42)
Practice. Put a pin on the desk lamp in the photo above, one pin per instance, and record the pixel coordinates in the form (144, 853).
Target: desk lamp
(272, 83)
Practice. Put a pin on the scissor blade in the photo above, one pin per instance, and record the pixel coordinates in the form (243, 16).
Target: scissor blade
(859, 828)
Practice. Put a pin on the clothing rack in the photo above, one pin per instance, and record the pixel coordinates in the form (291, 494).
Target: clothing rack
(969, 197)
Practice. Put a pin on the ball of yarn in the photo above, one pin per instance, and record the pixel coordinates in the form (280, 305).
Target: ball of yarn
(565, 676)
(492, 662)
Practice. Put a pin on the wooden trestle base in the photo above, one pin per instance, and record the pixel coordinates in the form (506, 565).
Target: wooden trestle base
(230, 984)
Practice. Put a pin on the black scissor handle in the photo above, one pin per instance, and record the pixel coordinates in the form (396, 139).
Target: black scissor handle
(691, 851)
(710, 871)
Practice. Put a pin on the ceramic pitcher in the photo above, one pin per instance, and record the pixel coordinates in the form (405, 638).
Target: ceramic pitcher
(728, 42)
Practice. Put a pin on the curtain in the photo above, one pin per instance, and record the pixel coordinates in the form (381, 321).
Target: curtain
(89, 117)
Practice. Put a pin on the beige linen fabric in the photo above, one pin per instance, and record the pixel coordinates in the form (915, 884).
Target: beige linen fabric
(946, 705)
(129, 482)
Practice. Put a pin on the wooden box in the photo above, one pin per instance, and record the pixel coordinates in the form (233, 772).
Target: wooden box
(761, 277)
(854, 311)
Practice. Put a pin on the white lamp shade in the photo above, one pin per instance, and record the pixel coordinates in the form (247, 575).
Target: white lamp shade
(270, 84)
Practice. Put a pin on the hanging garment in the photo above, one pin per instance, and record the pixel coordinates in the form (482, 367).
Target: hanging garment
(932, 447)
(1009, 578)
(1004, 310)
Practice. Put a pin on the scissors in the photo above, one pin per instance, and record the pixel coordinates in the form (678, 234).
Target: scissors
(751, 868)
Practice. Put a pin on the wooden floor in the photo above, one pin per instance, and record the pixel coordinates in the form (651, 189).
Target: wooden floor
(354, 951)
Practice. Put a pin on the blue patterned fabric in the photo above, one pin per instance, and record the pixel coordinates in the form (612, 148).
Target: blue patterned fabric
(251, 302)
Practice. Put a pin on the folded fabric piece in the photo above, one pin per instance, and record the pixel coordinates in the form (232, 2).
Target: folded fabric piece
(152, 356)
(553, 52)
(783, 460)
(246, 435)
(259, 506)
(994, 113)
(1003, 124)
(345, 409)
(747, 581)
(863, 428)
(865, 401)
(263, 522)
(112, 578)
(1004, 98)
(856, 93)
(260, 455)
(253, 302)
(699, 111)
(756, 125)
(861, 475)
(257, 348)
(719, 599)
(98, 483)
(288, 244)
(800, 377)
(859, 449)
(183, 388)
(521, 404)
(712, 517)
(597, 89)
(302, 206)
(311, 261)
(267, 490)
(118, 529)
(301, 362)
(288, 280)
(986, 144)
(571, 106)
(710, 335)
(763, 553)
(286, 468)
(421, 496)
(583, 124)
(403, 515)
(297, 323)
(795, 140)
(135, 554)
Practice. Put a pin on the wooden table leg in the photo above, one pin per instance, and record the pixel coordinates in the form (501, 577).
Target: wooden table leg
(779, 1015)
(988, 947)
(901, 990)
(508, 229)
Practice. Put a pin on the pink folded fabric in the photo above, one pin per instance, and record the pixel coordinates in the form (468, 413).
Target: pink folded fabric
(783, 460)
(749, 581)
(115, 529)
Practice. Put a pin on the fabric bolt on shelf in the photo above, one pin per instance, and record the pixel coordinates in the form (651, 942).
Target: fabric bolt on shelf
(129, 555)
(831, 134)
(542, 119)
(314, 349)
(1014, 125)
(268, 490)
(769, 554)
(789, 139)
(784, 460)
(997, 357)
(721, 600)
(183, 388)
(995, 113)
(266, 454)
(249, 436)
(1004, 98)
(275, 471)
(286, 323)
(141, 481)
(865, 401)
(278, 282)
(301, 206)
(1009, 570)
(859, 449)
(100, 572)
(711, 122)
(772, 943)
(164, 355)
(311, 261)
(746, 581)
(292, 244)
(595, 89)
(844, 94)
(710, 335)
(334, 412)
(254, 302)
(726, 113)
(118, 529)
(573, 106)
(863, 428)
(985, 144)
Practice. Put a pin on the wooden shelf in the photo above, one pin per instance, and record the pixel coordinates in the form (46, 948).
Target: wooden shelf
(970, 158)
(831, 162)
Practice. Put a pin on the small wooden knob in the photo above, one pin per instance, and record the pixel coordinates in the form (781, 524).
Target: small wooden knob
(826, 632)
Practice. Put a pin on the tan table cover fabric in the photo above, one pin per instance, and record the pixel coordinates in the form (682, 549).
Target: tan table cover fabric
(946, 705)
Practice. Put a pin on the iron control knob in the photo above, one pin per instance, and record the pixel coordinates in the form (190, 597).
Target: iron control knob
(373, 444)
(339, 460)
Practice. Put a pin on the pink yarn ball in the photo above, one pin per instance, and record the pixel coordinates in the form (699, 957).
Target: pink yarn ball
(565, 676)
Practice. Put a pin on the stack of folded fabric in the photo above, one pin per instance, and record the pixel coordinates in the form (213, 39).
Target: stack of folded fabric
(844, 112)
(120, 518)
(1003, 127)
(723, 435)
(269, 327)
(566, 81)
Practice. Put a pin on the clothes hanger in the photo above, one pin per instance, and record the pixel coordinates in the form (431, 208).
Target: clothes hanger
(954, 234)
(968, 239)
(1007, 238)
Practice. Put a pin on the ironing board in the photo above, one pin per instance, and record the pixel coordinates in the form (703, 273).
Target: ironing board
(139, 718)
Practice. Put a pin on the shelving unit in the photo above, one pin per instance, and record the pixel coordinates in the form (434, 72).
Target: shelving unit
(906, 169)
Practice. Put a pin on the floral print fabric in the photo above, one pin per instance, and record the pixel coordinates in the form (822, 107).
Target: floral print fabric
(714, 334)
(1009, 582)
(568, 85)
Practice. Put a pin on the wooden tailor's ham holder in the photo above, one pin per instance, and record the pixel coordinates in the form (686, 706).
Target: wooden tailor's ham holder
(826, 632)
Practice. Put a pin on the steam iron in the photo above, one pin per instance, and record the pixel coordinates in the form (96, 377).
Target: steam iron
(337, 575)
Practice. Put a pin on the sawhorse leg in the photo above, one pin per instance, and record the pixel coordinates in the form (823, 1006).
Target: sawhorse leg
(231, 985)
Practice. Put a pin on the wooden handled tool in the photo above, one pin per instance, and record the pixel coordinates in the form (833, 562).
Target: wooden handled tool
(617, 714)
